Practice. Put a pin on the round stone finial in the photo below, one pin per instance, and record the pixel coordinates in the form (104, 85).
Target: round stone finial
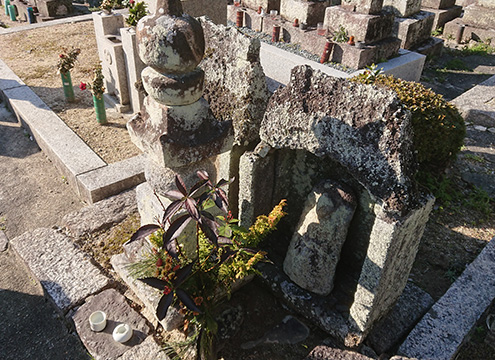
(169, 41)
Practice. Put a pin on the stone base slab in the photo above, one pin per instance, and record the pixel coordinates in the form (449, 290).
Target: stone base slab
(402, 8)
(101, 345)
(414, 30)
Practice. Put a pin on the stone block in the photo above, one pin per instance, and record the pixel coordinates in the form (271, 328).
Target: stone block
(54, 8)
(443, 329)
(107, 24)
(101, 345)
(216, 10)
(358, 58)
(469, 33)
(267, 5)
(372, 7)
(134, 66)
(309, 12)
(148, 295)
(411, 306)
(433, 46)
(407, 66)
(256, 171)
(235, 84)
(443, 16)
(65, 272)
(316, 245)
(477, 105)
(323, 352)
(321, 310)
(101, 215)
(414, 30)
(402, 8)
(366, 28)
(98, 184)
(437, 4)
(479, 16)
(307, 39)
(177, 136)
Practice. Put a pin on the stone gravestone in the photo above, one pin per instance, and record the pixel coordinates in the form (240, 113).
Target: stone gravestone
(111, 53)
(478, 23)
(371, 28)
(444, 10)
(412, 26)
(359, 136)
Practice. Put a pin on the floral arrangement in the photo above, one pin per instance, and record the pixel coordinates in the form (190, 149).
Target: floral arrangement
(96, 87)
(195, 266)
(67, 59)
(107, 5)
(137, 10)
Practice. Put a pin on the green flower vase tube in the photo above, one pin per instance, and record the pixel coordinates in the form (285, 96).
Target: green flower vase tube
(12, 13)
(6, 4)
(68, 89)
(101, 115)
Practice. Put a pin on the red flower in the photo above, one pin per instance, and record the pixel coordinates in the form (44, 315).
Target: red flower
(167, 290)
(61, 56)
(131, 2)
(176, 267)
(82, 86)
(159, 262)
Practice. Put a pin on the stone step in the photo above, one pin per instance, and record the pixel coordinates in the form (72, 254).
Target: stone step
(65, 272)
(442, 330)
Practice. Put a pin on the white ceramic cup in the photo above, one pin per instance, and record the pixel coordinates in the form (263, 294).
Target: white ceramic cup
(98, 321)
(122, 333)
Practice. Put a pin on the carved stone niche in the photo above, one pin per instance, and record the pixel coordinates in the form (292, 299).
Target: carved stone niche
(320, 128)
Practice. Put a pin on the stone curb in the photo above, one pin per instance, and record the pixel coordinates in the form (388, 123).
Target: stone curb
(65, 272)
(443, 329)
(408, 65)
(88, 174)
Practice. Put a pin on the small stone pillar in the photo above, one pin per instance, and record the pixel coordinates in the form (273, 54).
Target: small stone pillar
(176, 128)
(315, 247)
(444, 10)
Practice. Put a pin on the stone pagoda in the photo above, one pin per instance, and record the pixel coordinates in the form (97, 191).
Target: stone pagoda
(176, 128)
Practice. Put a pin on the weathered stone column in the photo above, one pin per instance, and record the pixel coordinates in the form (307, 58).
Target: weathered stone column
(176, 128)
